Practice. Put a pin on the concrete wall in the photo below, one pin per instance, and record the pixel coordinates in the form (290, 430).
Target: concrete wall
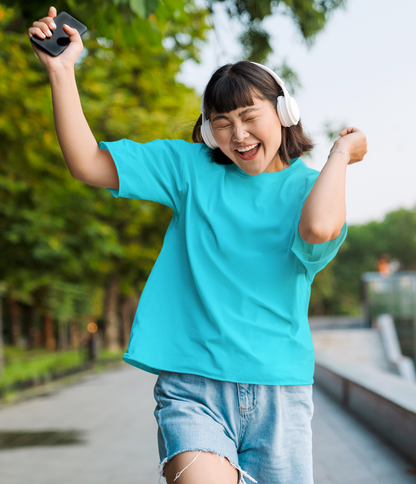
(384, 401)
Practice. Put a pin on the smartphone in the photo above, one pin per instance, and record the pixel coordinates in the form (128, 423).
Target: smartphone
(59, 40)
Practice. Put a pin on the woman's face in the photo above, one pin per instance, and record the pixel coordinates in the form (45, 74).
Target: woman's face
(257, 127)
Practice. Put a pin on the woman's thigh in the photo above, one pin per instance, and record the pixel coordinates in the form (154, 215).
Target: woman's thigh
(201, 468)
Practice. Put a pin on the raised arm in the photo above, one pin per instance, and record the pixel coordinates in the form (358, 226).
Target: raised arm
(324, 211)
(85, 160)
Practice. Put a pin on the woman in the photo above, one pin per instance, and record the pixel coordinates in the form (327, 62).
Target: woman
(223, 317)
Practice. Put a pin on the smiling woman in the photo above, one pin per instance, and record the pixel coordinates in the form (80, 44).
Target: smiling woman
(251, 135)
(223, 318)
(227, 96)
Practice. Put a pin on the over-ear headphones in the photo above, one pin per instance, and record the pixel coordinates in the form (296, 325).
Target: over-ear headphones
(287, 110)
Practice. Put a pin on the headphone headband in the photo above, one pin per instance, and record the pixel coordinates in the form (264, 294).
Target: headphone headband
(287, 110)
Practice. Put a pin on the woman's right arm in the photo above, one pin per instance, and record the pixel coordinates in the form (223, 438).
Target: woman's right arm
(85, 160)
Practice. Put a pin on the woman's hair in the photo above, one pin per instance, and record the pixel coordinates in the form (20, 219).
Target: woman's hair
(232, 86)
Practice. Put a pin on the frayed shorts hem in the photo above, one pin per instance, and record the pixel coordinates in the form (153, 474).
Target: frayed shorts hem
(241, 473)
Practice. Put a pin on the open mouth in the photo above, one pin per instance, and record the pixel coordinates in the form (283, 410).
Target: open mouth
(249, 154)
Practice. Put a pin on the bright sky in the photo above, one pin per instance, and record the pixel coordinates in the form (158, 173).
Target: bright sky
(361, 71)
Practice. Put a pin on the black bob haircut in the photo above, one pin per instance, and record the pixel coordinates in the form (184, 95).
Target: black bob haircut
(232, 86)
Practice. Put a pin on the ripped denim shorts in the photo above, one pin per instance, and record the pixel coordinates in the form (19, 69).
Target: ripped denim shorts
(263, 430)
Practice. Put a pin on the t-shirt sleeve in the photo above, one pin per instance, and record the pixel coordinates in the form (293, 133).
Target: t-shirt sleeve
(149, 171)
(315, 257)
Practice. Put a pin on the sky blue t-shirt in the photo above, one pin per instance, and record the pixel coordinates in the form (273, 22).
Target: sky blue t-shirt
(228, 295)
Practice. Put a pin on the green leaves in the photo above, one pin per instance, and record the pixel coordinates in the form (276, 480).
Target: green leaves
(58, 235)
(337, 288)
(256, 43)
(139, 7)
(311, 15)
(144, 8)
(162, 19)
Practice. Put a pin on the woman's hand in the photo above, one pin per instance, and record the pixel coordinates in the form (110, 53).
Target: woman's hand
(42, 29)
(354, 142)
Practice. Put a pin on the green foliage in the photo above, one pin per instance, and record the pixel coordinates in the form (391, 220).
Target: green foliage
(310, 17)
(337, 289)
(130, 21)
(22, 365)
(181, 21)
(54, 228)
(256, 43)
(68, 302)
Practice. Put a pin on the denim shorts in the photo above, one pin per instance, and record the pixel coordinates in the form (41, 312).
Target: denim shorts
(263, 430)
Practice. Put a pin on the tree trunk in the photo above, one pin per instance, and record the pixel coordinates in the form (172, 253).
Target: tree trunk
(34, 336)
(75, 335)
(62, 335)
(32, 330)
(111, 325)
(15, 322)
(48, 333)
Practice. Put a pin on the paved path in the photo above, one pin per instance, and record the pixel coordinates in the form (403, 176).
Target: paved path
(346, 452)
(114, 410)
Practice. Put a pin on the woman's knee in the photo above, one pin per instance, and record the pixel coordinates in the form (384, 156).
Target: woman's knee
(197, 467)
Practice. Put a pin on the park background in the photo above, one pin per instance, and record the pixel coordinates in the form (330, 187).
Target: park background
(74, 261)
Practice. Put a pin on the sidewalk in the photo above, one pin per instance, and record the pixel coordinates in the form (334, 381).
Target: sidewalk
(346, 452)
(113, 413)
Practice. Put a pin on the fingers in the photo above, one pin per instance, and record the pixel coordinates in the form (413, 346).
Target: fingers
(43, 27)
(52, 12)
(349, 130)
(353, 141)
(69, 30)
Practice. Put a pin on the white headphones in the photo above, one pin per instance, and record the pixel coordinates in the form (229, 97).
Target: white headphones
(287, 110)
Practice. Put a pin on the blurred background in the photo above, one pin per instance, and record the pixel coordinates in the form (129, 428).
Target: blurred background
(73, 261)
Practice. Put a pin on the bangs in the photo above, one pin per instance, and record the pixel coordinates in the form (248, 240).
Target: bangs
(228, 93)
(235, 86)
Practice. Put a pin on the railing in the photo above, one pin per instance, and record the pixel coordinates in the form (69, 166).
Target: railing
(403, 365)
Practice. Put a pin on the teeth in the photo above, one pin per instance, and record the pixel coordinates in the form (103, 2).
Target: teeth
(248, 148)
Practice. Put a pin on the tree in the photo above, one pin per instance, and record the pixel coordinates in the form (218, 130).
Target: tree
(174, 20)
(309, 16)
(337, 288)
(53, 227)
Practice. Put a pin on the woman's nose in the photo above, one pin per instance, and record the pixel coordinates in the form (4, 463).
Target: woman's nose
(239, 134)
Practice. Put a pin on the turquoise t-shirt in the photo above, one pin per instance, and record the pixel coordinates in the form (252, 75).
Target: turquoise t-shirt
(228, 295)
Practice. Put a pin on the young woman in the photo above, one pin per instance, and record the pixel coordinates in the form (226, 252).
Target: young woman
(223, 317)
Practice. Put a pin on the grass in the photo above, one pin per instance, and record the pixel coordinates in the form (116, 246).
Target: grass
(41, 365)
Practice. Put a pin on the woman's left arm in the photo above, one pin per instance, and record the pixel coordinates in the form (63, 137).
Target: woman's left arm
(324, 212)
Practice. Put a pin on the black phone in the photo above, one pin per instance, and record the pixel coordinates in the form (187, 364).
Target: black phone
(59, 40)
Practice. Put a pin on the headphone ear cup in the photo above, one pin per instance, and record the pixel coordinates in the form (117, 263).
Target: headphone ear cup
(288, 111)
(281, 111)
(207, 134)
(293, 110)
